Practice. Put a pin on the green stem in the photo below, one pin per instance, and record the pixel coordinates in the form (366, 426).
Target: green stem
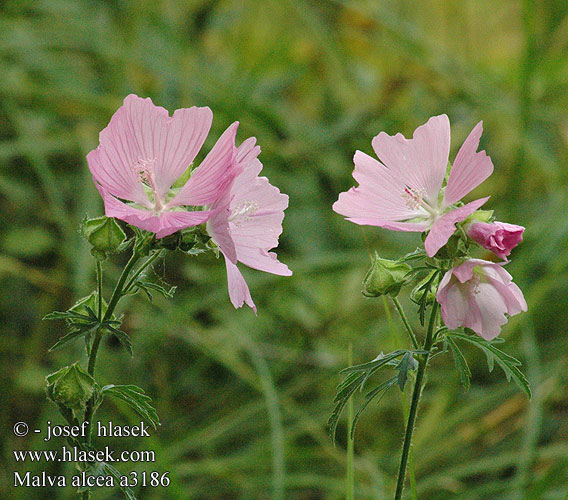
(422, 364)
(149, 261)
(404, 319)
(116, 295)
(397, 340)
(121, 287)
(350, 493)
(100, 288)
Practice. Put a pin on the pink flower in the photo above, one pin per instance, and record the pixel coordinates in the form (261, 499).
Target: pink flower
(403, 192)
(143, 151)
(247, 223)
(498, 237)
(477, 294)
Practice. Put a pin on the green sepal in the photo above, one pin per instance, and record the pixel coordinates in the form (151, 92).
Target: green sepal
(385, 277)
(70, 387)
(144, 241)
(104, 234)
(196, 241)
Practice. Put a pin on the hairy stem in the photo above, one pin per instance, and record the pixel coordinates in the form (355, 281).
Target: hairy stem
(405, 322)
(422, 364)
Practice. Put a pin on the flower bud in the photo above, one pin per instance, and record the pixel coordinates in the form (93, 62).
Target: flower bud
(498, 237)
(385, 277)
(104, 234)
(71, 387)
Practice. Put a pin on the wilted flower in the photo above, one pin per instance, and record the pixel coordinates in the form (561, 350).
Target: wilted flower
(477, 294)
(143, 151)
(499, 237)
(247, 222)
(404, 192)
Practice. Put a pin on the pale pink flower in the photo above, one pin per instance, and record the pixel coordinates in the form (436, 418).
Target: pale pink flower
(477, 294)
(247, 223)
(499, 237)
(403, 192)
(143, 151)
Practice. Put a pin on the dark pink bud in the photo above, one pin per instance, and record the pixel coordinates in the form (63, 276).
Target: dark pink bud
(499, 237)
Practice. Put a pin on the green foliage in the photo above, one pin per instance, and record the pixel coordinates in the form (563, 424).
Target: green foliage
(313, 81)
(86, 323)
(112, 471)
(509, 364)
(136, 399)
(461, 364)
(358, 375)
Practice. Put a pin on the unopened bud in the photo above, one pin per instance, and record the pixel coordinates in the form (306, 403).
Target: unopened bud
(385, 277)
(104, 234)
(71, 387)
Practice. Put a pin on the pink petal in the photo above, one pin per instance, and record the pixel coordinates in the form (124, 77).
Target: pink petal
(454, 303)
(141, 133)
(469, 170)
(218, 228)
(415, 227)
(257, 210)
(445, 226)
(479, 300)
(247, 151)
(380, 194)
(179, 141)
(419, 162)
(260, 259)
(107, 170)
(162, 224)
(208, 182)
(239, 292)
(492, 307)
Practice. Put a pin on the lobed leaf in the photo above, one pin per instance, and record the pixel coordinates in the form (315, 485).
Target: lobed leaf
(508, 363)
(460, 362)
(136, 398)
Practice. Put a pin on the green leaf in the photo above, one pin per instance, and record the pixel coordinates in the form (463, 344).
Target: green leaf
(508, 364)
(136, 398)
(122, 337)
(66, 315)
(128, 493)
(377, 363)
(74, 334)
(356, 379)
(460, 362)
(406, 363)
(380, 391)
(148, 286)
(417, 254)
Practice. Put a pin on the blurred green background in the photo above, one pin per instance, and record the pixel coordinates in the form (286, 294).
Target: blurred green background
(244, 400)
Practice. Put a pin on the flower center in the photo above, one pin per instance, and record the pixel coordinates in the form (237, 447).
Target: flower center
(243, 212)
(144, 167)
(474, 282)
(414, 199)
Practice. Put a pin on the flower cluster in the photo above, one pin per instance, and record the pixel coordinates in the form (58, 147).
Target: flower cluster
(139, 167)
(408, 189)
